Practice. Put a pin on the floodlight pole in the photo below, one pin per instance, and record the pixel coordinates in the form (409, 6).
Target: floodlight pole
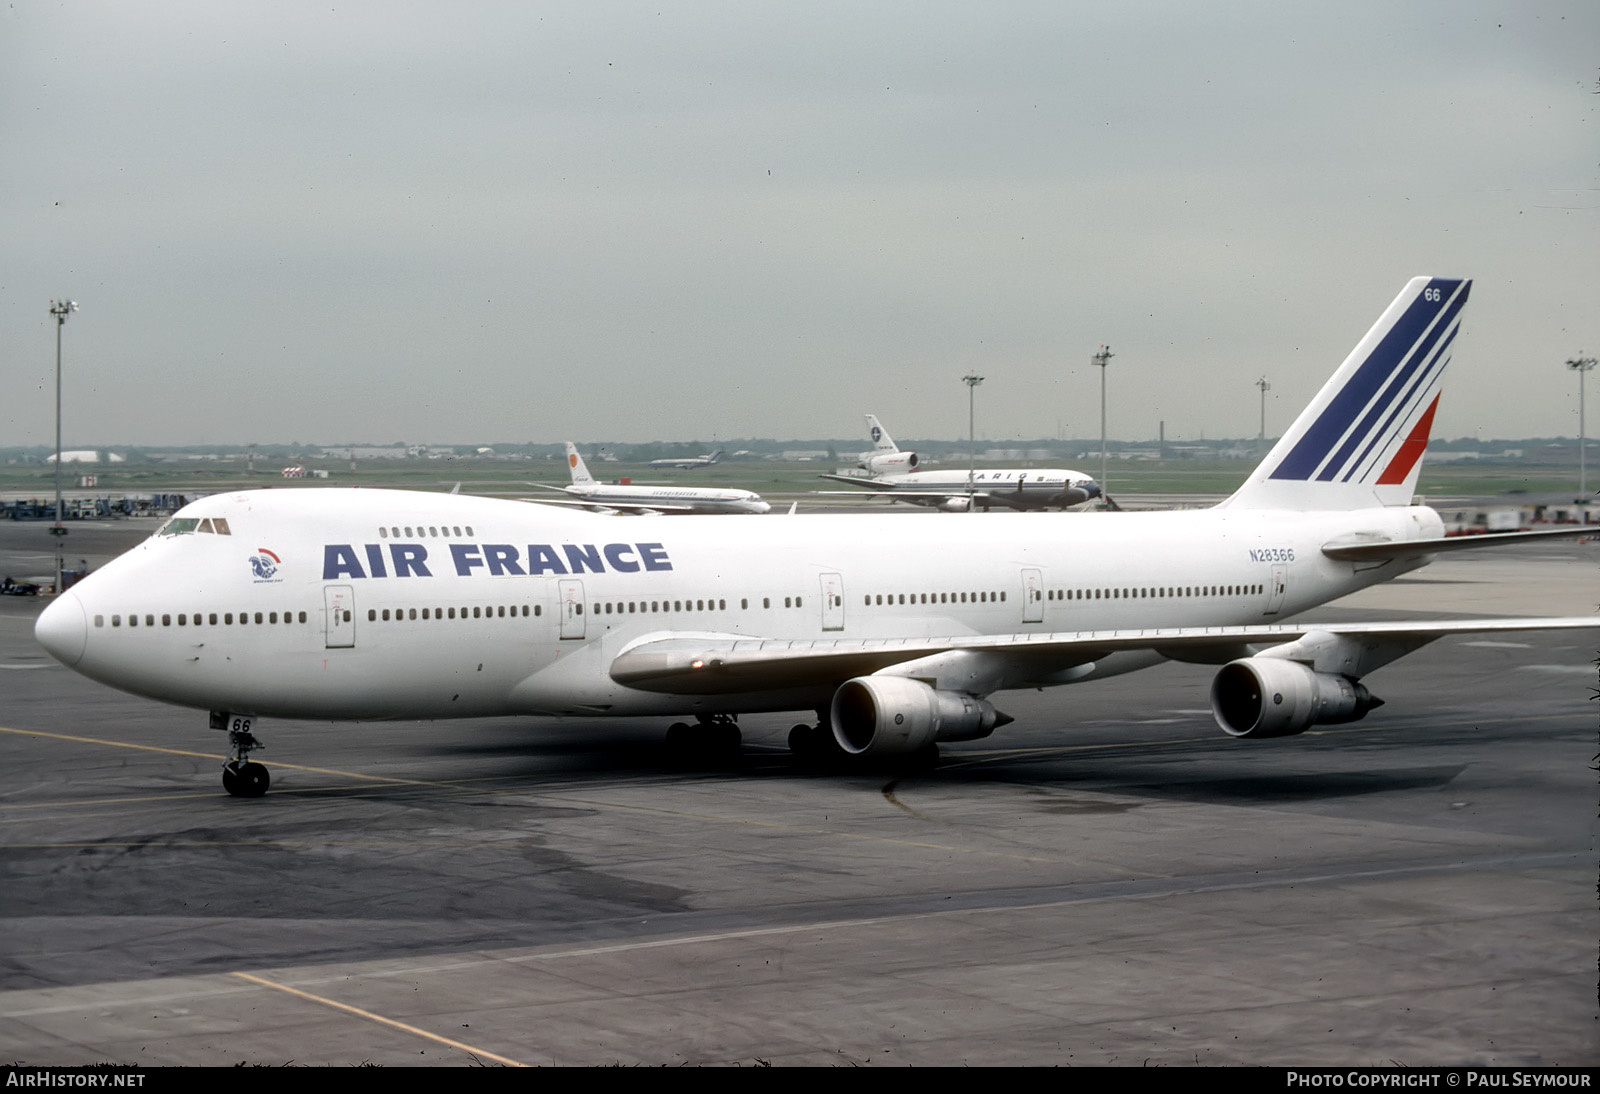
(60, 309)
(1581, 365)
(972, 380)
(1261, 439)
(1100, 361)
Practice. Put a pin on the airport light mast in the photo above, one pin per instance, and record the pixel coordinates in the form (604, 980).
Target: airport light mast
(1101, 360)
(60, 309)
(1261, 438)
(972, 380)
(1581, 365)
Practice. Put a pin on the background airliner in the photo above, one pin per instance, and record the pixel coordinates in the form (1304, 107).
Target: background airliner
(638, 498)
(894, 474)
(371, 604)
(689, 463)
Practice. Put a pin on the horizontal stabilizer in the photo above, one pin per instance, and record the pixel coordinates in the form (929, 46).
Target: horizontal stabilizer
(1367, 550)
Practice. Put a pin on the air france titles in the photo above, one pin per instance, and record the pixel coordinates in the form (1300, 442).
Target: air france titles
(345, 560)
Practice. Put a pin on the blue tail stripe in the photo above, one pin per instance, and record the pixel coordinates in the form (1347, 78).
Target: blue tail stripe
(1416, 392)
(1367, 427)
(1309, 452)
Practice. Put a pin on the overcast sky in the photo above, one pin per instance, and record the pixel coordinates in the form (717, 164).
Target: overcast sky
(600, 221)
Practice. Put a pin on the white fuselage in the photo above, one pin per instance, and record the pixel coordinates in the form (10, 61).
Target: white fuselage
(357, 604)
(669, 498)
(1018, 488)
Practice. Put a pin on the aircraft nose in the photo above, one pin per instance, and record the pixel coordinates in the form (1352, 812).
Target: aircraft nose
(1090, 487)
(63, 629)
(762, 507)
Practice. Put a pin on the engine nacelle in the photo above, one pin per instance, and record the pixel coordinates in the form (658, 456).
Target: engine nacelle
(955, 505)
(889, 463)
(1273, 697)
(893, 715)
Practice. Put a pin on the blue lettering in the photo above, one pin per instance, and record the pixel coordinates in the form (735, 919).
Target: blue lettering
(502, 559)
(466, 558)
(655, 556)
(542, 559)
(409, 559)
(375, 560)
(614, 553)
(339, 560)
(581, 555)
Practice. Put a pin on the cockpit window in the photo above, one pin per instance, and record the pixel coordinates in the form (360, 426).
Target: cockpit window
(183, 526)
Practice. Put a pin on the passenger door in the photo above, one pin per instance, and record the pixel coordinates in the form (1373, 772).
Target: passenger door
(339, 610)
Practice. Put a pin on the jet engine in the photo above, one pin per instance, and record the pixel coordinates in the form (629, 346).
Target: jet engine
(889, 463)
(893, 715)
(955, 505)
(1274, 697)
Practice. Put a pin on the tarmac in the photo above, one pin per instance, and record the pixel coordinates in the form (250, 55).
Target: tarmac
(1108, 880)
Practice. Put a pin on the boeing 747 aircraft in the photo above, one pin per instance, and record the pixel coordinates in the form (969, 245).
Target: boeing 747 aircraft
(629, 497)
(370, 604)
(894, 474)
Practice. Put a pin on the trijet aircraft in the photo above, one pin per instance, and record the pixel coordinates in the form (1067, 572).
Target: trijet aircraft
(893, 474)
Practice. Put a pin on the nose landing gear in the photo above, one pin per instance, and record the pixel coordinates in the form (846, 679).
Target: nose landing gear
(241, 776)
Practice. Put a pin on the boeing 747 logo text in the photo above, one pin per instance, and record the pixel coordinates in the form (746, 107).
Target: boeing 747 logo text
(345, 560)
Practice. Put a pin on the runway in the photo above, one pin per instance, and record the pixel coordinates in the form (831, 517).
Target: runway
(1108, 880)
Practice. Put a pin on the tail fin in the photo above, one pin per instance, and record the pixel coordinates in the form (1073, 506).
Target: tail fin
(881, 441)
(580, 473)
(1360, 442)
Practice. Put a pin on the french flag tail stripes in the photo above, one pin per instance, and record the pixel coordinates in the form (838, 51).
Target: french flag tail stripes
(1360, 442)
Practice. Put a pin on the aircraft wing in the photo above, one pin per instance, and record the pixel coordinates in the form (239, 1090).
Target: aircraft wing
(712, 665)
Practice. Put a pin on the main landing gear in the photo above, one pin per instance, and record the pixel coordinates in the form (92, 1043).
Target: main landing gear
(814, 747)
(241, 776)
(712, 736)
